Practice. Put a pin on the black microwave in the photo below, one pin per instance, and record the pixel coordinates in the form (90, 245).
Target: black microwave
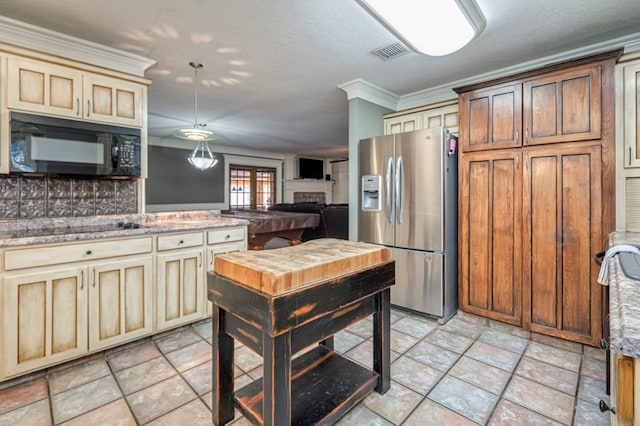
(65, 147)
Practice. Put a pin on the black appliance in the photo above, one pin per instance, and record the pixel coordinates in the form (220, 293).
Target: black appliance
(55, 146)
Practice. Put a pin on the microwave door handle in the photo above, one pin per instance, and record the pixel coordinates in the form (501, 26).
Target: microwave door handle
(399, 190)
(388, 194)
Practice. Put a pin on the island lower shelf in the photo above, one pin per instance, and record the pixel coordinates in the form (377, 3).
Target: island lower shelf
(324, 386)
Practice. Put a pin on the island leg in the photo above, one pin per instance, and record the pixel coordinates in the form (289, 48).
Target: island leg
(222, 359)
(276, 409)
(381, 340)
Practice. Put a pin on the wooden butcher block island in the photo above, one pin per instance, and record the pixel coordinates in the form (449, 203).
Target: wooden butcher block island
(279, 302)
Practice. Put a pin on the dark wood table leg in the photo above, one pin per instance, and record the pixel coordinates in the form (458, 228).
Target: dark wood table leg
(328, 342)
(381, 340)
(276, 409)
(222, 354)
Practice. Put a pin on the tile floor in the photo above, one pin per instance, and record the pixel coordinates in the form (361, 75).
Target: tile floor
(468, 371)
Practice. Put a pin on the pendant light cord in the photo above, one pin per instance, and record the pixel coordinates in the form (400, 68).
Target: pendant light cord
(195, 66)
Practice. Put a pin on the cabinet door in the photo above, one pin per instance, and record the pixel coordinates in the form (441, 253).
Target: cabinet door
(631, 76)
(403, 123)
(113, 101)
(179, 288)
(441, 117)
(120, 302)
(563, 106)
(212, 251)
(44, 88)
(44, 319)
(490, 235)
(562, 232)
(491, 118)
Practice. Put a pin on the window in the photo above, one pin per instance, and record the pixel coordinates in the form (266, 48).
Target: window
(251, 187)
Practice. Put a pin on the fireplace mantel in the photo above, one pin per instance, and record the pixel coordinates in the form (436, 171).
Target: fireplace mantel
(306, 185)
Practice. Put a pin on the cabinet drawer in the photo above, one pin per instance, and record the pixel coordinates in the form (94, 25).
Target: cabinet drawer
(225, 235)
(67, 253)
(177, 241)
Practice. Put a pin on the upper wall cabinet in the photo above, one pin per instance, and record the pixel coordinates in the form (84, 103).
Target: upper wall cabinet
(631, 106)
(491, 117)
(438, 115)
(44, 88)
(563, 107)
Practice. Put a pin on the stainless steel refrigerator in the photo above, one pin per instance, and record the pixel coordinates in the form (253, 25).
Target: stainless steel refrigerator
(408, 202)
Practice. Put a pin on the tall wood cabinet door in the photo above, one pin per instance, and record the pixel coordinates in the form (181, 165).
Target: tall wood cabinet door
(562, 205)
(179, 288)
(490, 235)
(491, 118)
(44, 88)
(563, 106)
(44, 319)
(120, 302)
(114, 101)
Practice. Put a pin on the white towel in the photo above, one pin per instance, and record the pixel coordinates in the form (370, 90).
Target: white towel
(603, 277)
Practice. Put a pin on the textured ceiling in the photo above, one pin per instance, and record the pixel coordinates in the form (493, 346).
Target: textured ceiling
(271, 68)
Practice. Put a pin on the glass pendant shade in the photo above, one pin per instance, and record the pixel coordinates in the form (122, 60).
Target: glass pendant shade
(201, 157)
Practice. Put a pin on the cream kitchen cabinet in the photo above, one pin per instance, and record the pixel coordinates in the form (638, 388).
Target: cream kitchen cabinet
(44, 320)
(443, 114)
(62, 301)
(221, 241)
(45, 88)
(120, 302)
(180, 284)
(631, 105)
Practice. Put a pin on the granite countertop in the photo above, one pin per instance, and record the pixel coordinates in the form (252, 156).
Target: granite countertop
(44, 231)
(624, 302)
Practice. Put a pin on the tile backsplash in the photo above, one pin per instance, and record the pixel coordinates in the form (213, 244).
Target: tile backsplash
(39, 197)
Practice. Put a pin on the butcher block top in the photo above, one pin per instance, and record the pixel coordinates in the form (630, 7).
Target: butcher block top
(289, 268)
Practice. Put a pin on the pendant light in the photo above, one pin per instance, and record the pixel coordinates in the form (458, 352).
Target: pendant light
(201, 156)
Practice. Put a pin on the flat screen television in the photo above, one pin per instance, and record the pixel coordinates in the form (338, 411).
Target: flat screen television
(310, 168)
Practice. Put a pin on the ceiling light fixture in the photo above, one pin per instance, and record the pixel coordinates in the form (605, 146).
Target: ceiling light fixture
(201, 156)
(435, 28)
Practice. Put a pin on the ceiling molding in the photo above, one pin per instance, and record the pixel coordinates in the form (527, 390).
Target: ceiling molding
(32, 37)
(362, 89)
(445, 92)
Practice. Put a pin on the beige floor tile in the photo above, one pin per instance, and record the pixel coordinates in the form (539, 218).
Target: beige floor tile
(246, 359)
(84, 398)
(143, 375)
(450, 341)
(363, 354)
(204, 329)
(479, 374)
(413, 326)
(595, 353)
(562, 358)
(195, 413)
(433, 356)
(541, 399)
(62, 380)
(116, 413)
(159, 399)
(119, 360)
(430, 413)
(556, 342)
(199, 378)
(549, 375)
(37, 413)
(414, 375)
(395, 405)
(176, 339)
(361, 415)
(468, 329)
(362, 328)
(594, 368)
(509, 414)
(22, 394)
(493, 355)
(503, 340)
(401, 342)
(190, 356)
(465, 399)
(592, 390)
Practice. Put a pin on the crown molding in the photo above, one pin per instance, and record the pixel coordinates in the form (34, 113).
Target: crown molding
(32, 37)
(362, 89)
(445, 92)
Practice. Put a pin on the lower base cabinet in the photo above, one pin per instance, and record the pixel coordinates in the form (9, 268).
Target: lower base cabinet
(625, 390)
(119, 302)
(179, 288)
(44, 318)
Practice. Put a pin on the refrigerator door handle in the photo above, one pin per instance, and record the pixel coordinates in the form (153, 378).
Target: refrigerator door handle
(388, 177)
(399, 190)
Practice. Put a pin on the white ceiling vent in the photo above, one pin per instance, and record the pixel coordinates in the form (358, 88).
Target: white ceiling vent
(390, 51)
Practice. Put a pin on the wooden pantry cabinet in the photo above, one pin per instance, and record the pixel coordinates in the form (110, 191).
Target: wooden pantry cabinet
(536, 179)
(45, 88)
